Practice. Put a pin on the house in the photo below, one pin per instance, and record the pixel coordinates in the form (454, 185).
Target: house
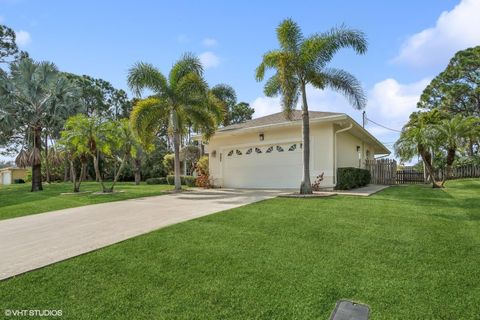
(9, 175)
(267, 152)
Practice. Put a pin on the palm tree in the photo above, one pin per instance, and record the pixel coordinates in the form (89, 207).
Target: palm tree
(418, 138)
(180, 100)
(30, 97)
(450, 132)
(303, 61)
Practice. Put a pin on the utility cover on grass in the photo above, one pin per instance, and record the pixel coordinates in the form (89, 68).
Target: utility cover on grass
(347, 310)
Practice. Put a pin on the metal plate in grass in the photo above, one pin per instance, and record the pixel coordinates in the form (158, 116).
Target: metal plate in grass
(347, 310)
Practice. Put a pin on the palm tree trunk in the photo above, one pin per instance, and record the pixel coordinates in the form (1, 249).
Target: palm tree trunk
(450, 160)
(119, 172)
(306, 186)
(65, 170)
(47, 164)
(36, 163)
(138, 176)
(97, 172)
(176, 149)
(426, 157)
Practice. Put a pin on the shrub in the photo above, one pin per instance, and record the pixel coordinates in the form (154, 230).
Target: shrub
(349, 178)
(17, 181)
(203, 180)
(168, 162)
(185, 180)
(161, 180)
(189, 181)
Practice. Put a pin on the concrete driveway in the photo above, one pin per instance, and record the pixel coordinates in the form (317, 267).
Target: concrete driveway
(31, 242)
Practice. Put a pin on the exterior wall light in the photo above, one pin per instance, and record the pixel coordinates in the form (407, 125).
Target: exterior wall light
(261, 136)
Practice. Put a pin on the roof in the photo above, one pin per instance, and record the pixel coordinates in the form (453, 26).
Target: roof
(277, 118)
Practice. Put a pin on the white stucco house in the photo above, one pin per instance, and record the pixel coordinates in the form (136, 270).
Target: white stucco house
(267, 152)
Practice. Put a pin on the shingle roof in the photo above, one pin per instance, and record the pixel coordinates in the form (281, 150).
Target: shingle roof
(277, 118)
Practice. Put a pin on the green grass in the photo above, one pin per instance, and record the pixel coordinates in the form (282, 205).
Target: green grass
(408, 252)
(17, 200)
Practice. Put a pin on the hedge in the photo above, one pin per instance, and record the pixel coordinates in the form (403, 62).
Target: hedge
(349, 178)
(185, 180)
(161, 180)
(18, 181)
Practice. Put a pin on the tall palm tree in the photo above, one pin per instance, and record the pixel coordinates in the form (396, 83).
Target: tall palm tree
(181, 99)
(303, 61)
(31, 96)
(450, 132)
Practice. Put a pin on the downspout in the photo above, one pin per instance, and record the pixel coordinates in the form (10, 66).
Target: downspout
(335, 151)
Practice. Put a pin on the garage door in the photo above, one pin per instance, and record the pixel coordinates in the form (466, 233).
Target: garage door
(269, 166)
(7, 178)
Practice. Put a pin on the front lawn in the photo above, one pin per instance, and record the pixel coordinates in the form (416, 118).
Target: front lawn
(408, 252)
(17, 200)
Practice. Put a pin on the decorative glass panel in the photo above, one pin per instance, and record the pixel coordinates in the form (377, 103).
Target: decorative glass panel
(279, 149)
(230, 153)
(239, 153)
(270, 149)
(257, 150)
(249, 151)
(292, 147)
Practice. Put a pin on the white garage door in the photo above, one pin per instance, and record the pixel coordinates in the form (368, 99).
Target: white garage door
(269, 166)
(7, 178)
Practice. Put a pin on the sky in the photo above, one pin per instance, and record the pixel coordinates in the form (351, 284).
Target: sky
(410, 42)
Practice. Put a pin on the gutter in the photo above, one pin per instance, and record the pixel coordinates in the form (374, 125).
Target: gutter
(335, 151)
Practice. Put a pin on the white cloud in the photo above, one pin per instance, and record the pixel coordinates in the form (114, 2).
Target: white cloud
(210, 42)
(209, 59)
(393, 101)
(23, 38)
(264, 106)
(454, 30)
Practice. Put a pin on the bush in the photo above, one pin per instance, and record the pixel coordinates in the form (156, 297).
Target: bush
(161, 180)
(17, 181)
(203, 179)
(185, 180)
(189, 181)
(349, 178)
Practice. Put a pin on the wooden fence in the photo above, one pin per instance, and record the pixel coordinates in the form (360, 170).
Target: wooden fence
(410, 176)
(465, 171)
(382, 171)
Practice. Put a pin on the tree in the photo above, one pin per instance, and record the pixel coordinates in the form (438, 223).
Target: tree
(418, 138)
(240, 112)
(180, 100)
(30, 97)
(450, 132)
(8, 47)
(100, 98)
(456, 90)
(303, 61)
(233, 112)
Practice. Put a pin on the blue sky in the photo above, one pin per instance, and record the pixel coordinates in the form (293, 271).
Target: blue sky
(409, 43)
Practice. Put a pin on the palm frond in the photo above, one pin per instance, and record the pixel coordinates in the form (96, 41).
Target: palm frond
(145, 76)
(342, 81)
(188, 63)
(289, 35)
(146, 117)
(325, 45)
